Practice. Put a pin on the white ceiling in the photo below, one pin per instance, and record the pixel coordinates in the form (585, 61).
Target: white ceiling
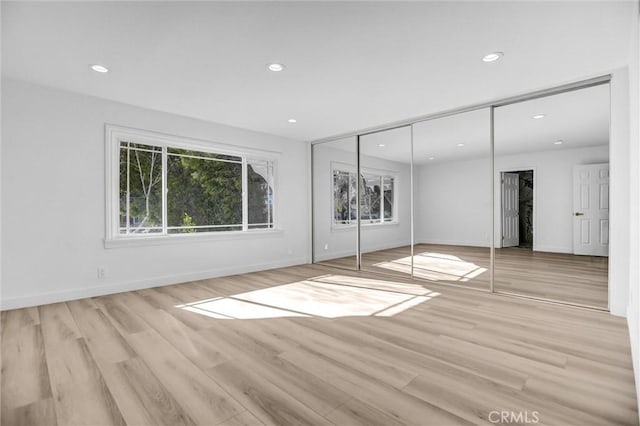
(579, 118)
(350, 65)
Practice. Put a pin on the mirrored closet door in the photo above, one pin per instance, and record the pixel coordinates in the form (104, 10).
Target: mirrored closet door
(335, 206)
(452, 190)
(551, 192)
(428, 200)
(385, 201)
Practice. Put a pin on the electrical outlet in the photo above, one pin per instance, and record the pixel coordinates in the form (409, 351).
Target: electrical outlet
(102, 272)
(326, 246)
(289, 252)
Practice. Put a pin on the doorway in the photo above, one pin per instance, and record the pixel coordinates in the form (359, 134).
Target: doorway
(518, 209)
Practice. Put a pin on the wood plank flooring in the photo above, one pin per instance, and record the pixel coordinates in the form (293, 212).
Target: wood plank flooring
(313, 345)
(556, 276)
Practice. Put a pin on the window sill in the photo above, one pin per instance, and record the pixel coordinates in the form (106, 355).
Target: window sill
(160, 240)
(339, 228)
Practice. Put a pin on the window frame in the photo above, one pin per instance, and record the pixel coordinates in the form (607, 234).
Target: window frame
(115, 134)
(381, 174)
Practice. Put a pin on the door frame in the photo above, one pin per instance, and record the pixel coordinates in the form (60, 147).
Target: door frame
(498, 206)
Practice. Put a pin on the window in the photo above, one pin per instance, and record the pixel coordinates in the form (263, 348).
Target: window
(175, 186)
(376, 196)
(344, 197)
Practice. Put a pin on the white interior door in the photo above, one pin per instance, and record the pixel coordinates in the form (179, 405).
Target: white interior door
(591, 209)
(510, 209)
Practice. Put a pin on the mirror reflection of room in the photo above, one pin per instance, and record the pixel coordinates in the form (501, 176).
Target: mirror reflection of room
(385, 201)
(452, 186)
(552, 197)
(335, 208)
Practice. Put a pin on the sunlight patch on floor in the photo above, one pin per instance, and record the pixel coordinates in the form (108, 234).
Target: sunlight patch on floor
(328, 296)
(228, 308)
(399, 287)
(435, 267)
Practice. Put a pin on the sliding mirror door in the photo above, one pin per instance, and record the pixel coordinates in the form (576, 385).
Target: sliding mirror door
(552, 197)
(335, 207)
(452, 187)
(385, 201)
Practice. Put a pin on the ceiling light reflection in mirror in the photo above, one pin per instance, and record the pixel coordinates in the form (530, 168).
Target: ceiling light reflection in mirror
(579, 116)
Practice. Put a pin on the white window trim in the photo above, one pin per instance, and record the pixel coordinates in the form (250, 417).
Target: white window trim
(114, 134)
(343, 167)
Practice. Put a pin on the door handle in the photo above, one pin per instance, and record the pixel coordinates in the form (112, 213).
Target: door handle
(578, 214)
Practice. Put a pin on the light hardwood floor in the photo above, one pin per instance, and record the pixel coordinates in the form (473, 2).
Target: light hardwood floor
(313, 345)
(557, 276)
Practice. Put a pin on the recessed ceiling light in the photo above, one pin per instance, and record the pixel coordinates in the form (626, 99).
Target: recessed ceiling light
(381, 145)
(292, 120)
(99, 68)
(432, 158)
(460, 144)
(275, 67)
(539, 116)
(493, 56)
(558, 142)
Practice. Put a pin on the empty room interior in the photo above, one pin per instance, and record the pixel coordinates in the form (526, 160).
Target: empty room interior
(320, 213)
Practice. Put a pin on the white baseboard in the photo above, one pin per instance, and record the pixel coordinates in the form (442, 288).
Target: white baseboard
(81, 293)
(633, 323)
(466, 243)
(321, 257)
(385, 246)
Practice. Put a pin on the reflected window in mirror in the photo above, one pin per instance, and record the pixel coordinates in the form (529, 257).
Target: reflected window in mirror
(344, 197)
(376, 193)
(377, 198)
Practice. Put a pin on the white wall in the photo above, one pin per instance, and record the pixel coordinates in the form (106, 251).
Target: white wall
(341, 241)
(53, 196)
(454, 205)
(1, 258)
(633, 307)
(620, 219)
